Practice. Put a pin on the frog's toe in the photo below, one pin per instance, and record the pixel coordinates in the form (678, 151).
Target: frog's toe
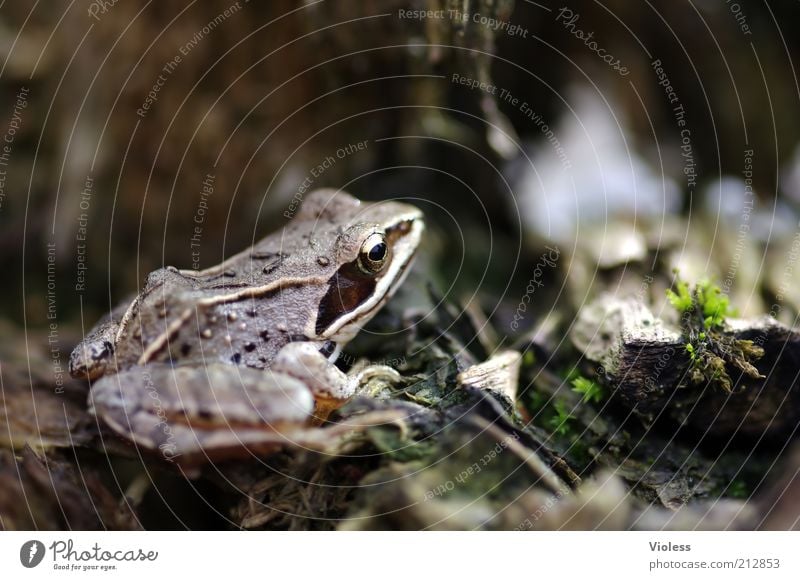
(195, 414)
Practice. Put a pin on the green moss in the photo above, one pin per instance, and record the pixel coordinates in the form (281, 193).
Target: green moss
(680, 298)
(738, 489)
(591, 391)
(528, 359)
(712, 349)
(559, 422)
(536, 401)
(716, 305)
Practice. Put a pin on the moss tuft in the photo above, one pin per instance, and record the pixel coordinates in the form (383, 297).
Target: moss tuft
(712, 349)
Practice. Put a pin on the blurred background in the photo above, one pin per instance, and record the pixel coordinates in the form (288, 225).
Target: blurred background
(143, 134)
(118, 112)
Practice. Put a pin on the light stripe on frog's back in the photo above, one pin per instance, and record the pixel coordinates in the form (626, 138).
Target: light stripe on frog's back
(161, 342)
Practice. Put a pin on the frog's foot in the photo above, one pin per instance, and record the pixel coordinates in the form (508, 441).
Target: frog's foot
(330, 387)
(386, 375)
(194, 414)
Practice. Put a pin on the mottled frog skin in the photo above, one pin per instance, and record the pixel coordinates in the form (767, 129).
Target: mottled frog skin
(272, 319)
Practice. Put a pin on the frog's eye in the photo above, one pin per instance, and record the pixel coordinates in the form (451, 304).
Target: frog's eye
(373, 255)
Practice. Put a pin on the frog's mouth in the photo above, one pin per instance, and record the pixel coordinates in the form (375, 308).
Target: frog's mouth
(353, 299)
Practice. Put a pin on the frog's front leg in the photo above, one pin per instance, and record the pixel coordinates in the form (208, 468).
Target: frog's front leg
(193, 414)
(330, 387)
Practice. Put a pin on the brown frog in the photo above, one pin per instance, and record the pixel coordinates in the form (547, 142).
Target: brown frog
(212, 363)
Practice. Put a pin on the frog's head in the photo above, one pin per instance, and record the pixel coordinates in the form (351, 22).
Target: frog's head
(373, 250)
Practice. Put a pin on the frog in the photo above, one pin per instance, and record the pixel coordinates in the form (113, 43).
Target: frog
(231, 360)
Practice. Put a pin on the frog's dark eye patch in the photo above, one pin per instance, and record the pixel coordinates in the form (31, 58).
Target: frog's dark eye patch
(348, 289)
